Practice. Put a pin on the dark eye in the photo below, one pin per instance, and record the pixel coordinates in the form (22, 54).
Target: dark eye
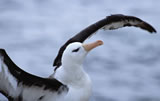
(76, 50)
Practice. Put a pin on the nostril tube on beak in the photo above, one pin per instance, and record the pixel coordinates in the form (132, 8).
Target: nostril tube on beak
(90, 46)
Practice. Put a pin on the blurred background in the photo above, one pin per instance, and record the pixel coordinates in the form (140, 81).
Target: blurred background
(125, 68)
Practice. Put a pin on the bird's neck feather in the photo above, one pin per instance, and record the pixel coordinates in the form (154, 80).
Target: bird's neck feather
(77, 80)
(71, 75)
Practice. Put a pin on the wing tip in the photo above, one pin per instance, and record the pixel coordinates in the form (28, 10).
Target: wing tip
(2, 52)
(148, 27)
(153, 31)
(1, 49)
(144, 25)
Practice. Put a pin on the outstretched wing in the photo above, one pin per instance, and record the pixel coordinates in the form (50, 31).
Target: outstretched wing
(17, 84)
(109, 23)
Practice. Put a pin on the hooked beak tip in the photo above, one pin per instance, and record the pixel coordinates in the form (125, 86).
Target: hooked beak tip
(99, 42)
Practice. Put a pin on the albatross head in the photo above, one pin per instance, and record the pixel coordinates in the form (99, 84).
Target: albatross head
(71, 72)
(76, 52)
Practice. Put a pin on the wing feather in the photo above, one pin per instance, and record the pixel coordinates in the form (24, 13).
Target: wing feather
(109, 23)
(15, 82)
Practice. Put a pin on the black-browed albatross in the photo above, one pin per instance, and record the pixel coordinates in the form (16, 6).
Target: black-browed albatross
(69, 81)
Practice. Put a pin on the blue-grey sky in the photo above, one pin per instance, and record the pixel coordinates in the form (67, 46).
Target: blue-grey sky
(126, 67)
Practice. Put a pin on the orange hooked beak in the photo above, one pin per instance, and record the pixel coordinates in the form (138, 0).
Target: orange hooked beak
(92, 45)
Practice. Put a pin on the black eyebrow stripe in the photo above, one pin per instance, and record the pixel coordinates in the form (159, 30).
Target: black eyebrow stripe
(76, 50)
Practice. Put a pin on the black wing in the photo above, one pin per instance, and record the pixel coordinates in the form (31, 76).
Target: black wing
(108, 23)
(12, 78)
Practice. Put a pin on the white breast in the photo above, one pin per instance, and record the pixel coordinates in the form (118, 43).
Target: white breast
(79, 84)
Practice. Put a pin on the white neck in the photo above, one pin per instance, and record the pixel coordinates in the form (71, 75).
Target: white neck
(70, 75)
(77, 80)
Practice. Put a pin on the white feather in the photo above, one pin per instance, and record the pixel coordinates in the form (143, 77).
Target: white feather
(1, 63)
(8, 82)
(34, 93)
(72, 74)
(12, 81)
(113, 25)
(120, 24)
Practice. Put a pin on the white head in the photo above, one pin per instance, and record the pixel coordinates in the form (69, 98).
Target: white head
(72, 74)
(76, 52)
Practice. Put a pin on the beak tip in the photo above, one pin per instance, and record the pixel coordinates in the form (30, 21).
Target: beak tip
(100, 42)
